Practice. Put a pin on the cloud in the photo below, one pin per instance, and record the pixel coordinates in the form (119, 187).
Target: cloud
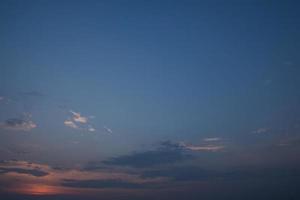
(197, 173)
(77, 121)
(260, 130)
(108, 130)
(1, 98)
(289, 141)
(213, 139)
(17, 124)
(33, 93)
(91, 129)
(101, 184)
(22, 167)
(78, 118)
(182, 173)
(71, 124)
(32, 178)
(167, 153)
(33, 172)
(212, 148)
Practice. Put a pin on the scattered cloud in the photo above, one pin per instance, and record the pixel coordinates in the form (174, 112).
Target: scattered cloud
(33, 172)
(28, 178)
(70, 124)
(108, 130)
(167, 153)
(260, 130)
(17, 124)
(212, 148)
(212, 139)
(78, 118)
(23, 167)
(33, 93)
(77, 121)
(289, 141)
(182, 173)
(91, 129)
(92, 183)
(197, 173)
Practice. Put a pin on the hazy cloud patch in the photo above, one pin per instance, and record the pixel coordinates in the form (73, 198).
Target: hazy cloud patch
(17, 124)
(261, 130)
(33, 93)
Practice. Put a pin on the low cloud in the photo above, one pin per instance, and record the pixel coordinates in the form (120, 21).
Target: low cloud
(28, 178)
(33, 172)
(197, 173)
(166, 153)
(23, 167)
(92, 183)
(16, 124)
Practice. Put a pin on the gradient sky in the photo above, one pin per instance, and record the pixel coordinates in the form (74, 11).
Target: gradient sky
(128, 99)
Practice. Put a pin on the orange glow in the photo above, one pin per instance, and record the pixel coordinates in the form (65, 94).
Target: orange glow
(39, 190)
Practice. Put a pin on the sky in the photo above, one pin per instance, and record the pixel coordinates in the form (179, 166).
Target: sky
(128, 99)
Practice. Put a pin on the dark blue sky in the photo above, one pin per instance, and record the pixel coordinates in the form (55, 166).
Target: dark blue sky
(186, 95)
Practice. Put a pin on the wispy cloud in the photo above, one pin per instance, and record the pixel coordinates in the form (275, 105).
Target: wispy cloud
(17, 124)
(260, 130)
(212, 148)
(108, 130)
(212, 139)
(33, 93)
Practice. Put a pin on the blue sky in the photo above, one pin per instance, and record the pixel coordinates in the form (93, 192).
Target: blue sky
(131, 94)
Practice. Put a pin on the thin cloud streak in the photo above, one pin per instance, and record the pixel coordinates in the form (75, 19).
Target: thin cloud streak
(213, 139)
(260, 130)
(107, 129)
(211, 148)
